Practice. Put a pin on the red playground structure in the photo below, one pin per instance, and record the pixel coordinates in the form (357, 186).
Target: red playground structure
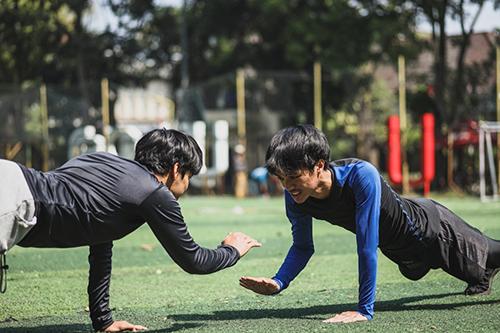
(427, 159)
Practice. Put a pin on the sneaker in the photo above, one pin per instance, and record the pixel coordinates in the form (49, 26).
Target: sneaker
(484, 287)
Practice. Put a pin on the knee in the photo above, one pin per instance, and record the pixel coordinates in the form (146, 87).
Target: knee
(414, 271)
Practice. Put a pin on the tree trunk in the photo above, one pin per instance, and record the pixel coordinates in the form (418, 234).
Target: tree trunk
(457, 100)
(80, 65)
(366, 146)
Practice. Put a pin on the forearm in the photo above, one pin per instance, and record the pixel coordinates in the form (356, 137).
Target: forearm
(295, 261)
(167, 223)
(367, 282)
(98, 288)
(206, 261)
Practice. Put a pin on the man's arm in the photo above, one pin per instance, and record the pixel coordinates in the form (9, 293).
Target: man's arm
(98, 288)
(365, 184)
(303, 245)
(367, 194)
(299, 254)
(164, 217)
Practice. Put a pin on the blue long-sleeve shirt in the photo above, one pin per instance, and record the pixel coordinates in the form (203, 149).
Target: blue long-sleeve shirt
(354, 203)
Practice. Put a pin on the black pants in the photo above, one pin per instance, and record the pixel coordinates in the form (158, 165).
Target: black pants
(458, 248)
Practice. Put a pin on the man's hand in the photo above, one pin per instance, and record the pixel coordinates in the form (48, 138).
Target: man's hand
(261, 285)
(346, 317)
(241, 242)
(122, 325)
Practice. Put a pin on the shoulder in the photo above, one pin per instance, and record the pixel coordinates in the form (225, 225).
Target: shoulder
(161, 200)
(351, 170)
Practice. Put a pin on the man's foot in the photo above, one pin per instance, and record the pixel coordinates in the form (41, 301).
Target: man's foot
(484, 287)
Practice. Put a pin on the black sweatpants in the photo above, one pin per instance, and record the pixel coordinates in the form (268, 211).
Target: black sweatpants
(458, 248)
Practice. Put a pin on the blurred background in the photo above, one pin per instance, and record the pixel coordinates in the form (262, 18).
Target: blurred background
(94, 75)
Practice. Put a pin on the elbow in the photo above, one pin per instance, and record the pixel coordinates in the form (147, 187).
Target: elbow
(194, 269)
(305, 250)
(368, 253)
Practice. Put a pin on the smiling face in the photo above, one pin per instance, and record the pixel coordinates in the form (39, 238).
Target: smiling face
(305, 183)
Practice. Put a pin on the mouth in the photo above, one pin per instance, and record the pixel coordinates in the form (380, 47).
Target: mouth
(295, 193)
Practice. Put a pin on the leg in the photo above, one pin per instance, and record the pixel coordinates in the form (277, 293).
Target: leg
(492, 268)
(409, 262)
(414, 270)
(493, 260)
(464, 251)
(17, 213)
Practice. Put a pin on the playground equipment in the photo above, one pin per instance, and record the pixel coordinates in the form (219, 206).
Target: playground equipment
(486, 130)
(427, 160)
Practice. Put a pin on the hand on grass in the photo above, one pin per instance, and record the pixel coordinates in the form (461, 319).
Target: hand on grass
(260, 285)
(122, 325)
(346, 317)
(241, 242)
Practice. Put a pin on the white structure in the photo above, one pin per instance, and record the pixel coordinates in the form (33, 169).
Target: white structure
(486, 129)
(85, 140)
(150, 106)
(219, 148)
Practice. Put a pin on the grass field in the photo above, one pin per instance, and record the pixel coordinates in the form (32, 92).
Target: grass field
(47, 288)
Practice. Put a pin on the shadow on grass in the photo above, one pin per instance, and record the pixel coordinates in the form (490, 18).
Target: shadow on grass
(190, 321)
(317, 312)
(74, 328)
(83, 328)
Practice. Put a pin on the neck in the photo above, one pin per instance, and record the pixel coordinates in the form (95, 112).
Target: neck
(324, 184)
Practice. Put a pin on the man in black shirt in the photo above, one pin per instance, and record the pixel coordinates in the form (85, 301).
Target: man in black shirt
(97, 198)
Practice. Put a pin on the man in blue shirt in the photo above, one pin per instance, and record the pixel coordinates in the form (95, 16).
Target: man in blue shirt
(416, 234)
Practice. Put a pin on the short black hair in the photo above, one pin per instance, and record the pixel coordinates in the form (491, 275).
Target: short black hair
(296, 148)
(159, 149)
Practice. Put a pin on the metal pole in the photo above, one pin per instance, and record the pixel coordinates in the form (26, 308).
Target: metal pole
(184, 48)
(402, 117)
(240, 105)
(498, 112)
(45, 126)
(482, 182)
(105, 110)
(493, 172)
(29, 156)
(318, 120)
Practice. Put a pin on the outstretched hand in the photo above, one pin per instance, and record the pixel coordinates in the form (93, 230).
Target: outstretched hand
(241, 242)
(260, 285)
(346, 317)
(122, 326)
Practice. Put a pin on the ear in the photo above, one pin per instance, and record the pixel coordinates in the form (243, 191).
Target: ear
(320, 165)
(172, 175)
(175, 170)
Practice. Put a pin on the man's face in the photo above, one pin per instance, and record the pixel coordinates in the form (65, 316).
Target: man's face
(179, 184)
(301, 184)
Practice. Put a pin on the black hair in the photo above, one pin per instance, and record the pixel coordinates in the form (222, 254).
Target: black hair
(159, 149)
(296, 148)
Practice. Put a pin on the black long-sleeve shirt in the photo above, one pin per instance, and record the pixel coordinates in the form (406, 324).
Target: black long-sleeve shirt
(97, 198)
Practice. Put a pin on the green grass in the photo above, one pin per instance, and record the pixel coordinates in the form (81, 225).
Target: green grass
(47, 287)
